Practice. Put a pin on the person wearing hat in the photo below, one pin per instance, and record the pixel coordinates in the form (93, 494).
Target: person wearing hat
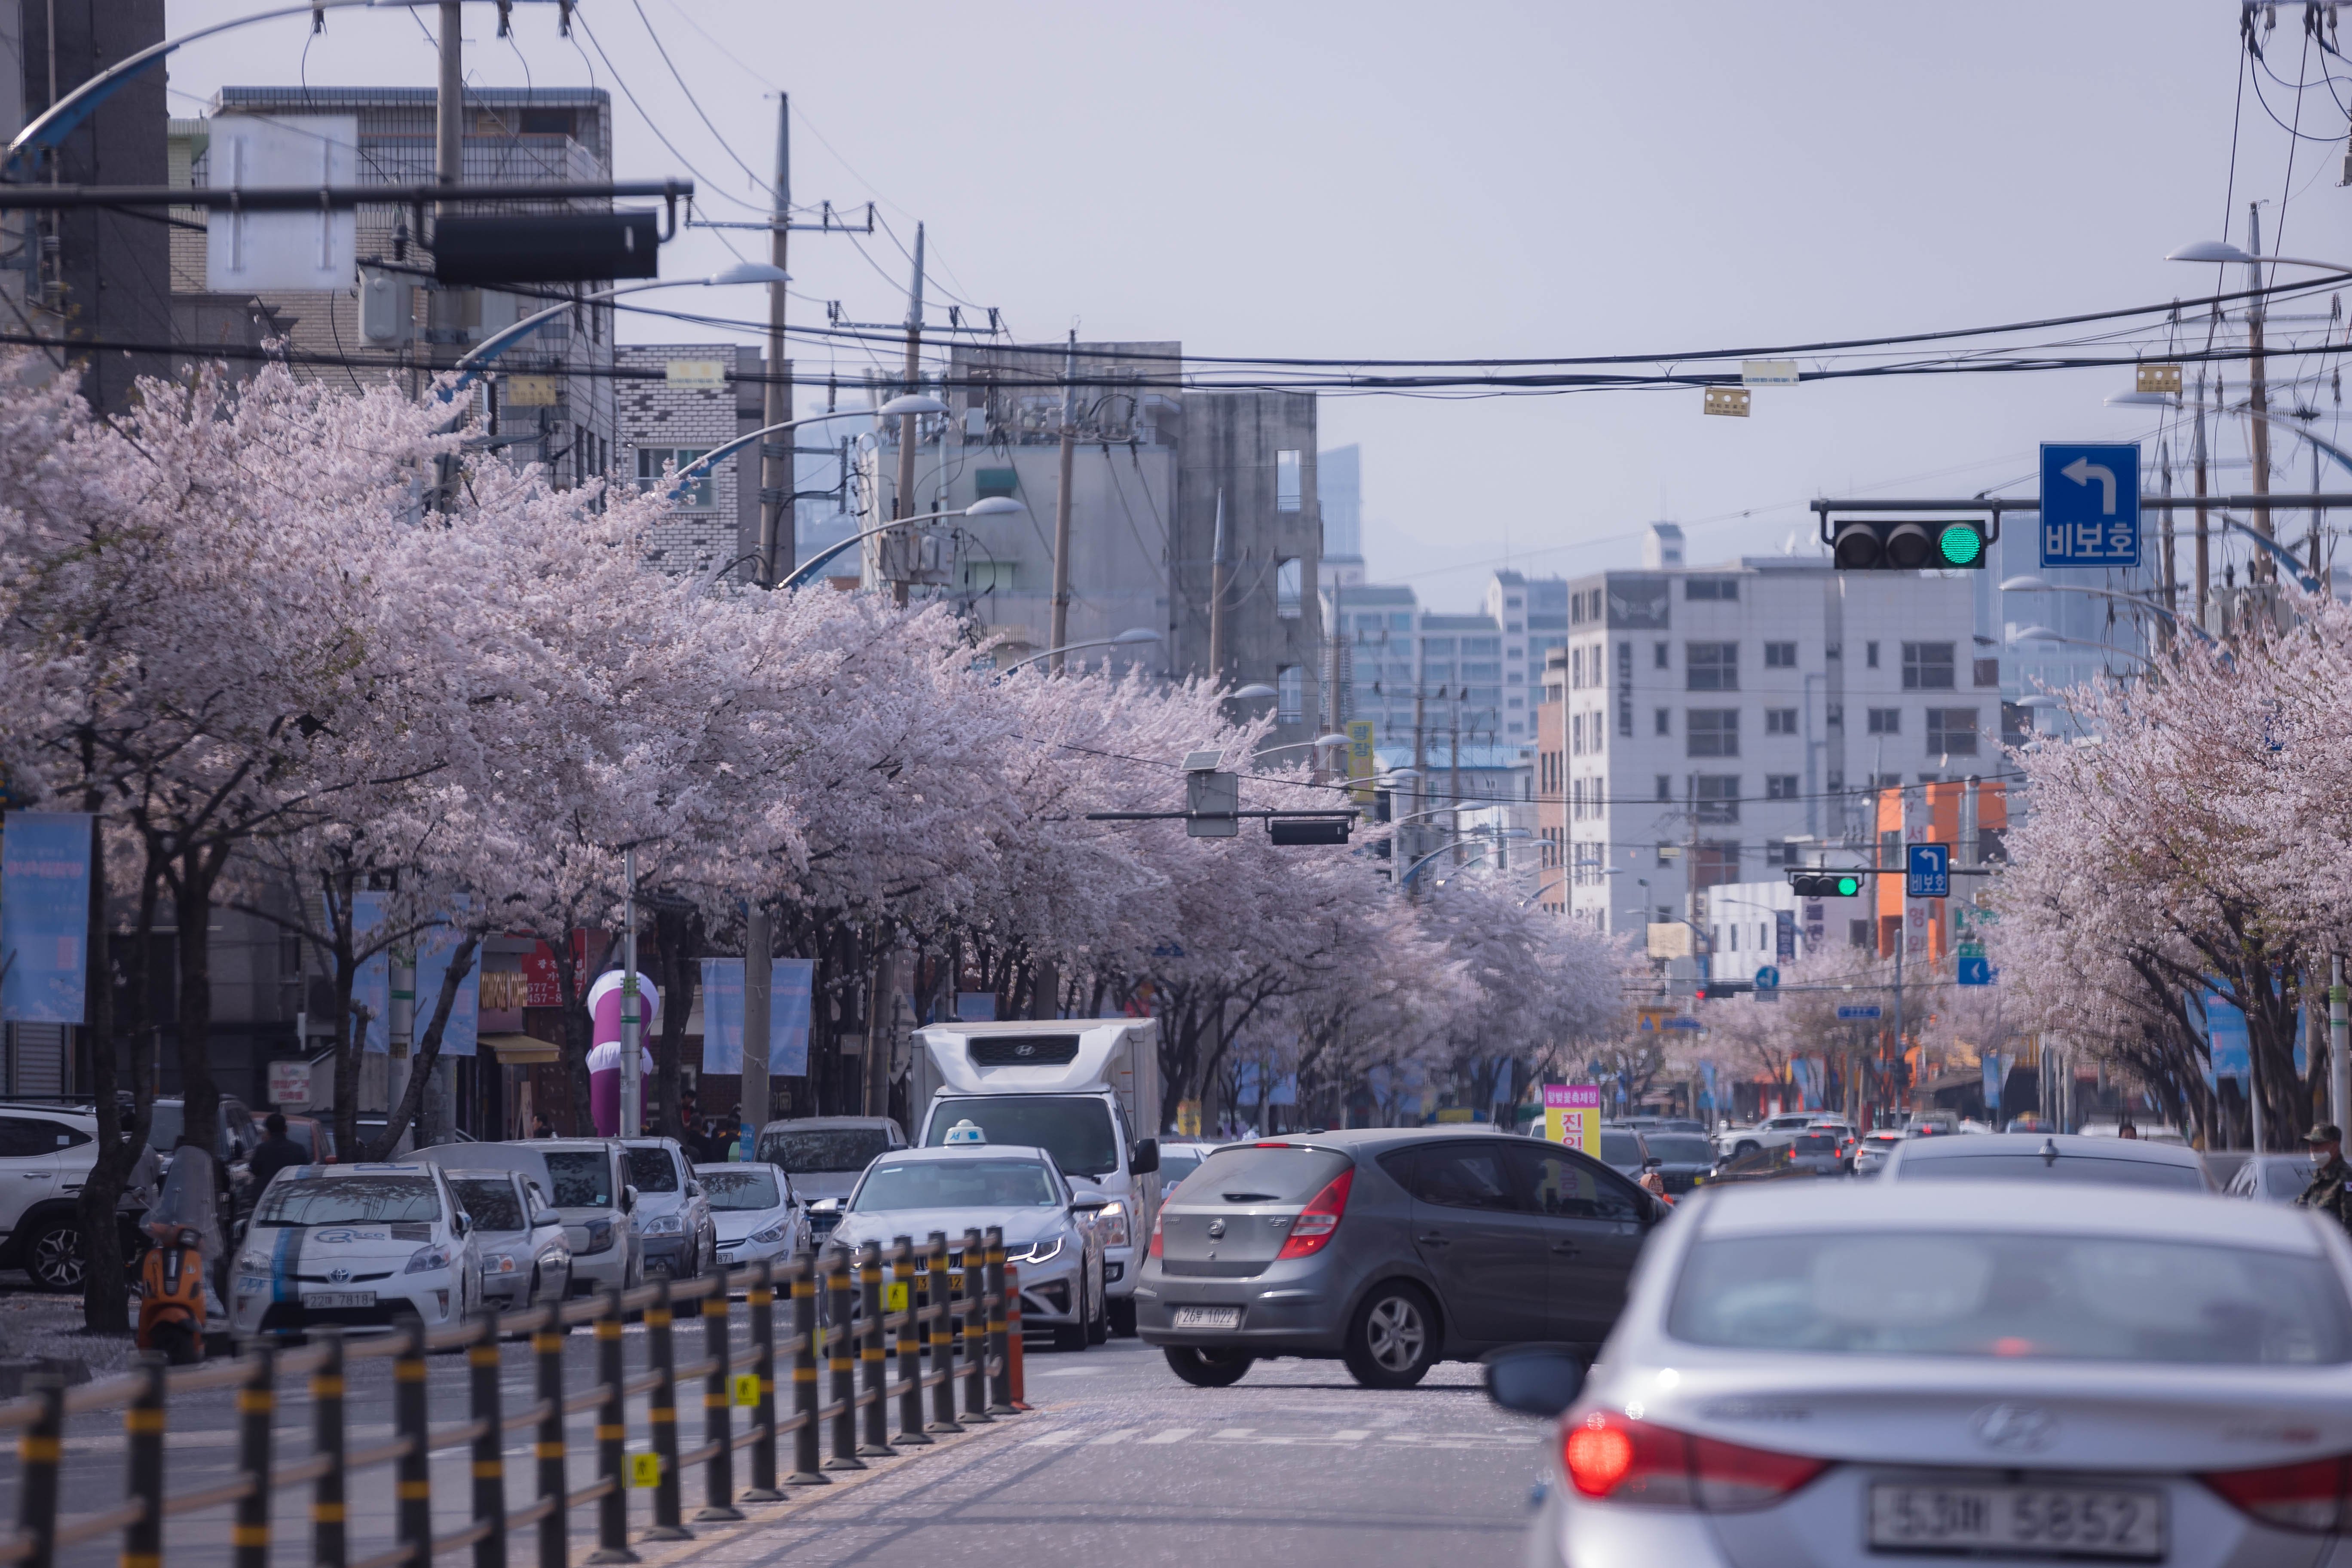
(2329, 1175)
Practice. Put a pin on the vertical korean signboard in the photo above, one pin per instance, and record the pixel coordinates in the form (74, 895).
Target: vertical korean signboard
(1572, 1116)
(44, 916)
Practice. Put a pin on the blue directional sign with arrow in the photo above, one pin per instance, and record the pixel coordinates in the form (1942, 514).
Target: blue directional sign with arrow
(1975, 969)
(1767, 978)
(1929, 874)
(2090, 503)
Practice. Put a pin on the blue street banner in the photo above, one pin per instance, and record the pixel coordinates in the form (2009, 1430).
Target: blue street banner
(371, 985)
(434, 949)
(788, 1015)
(2226, 1044)
(44, 916)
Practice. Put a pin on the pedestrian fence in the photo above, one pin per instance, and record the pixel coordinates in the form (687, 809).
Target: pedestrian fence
(944, 1303)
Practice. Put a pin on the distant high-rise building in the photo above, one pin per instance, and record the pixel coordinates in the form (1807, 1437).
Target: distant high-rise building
(1339, 483)
(1662, 547)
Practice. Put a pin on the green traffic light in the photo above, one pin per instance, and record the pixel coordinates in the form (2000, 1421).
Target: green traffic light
(1848, 887)
(1961, 544)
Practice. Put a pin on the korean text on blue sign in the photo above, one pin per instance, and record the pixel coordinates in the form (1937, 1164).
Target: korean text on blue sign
(2090, 503)
(44, 916)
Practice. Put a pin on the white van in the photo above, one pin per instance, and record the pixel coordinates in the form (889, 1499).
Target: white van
(1079, 1087)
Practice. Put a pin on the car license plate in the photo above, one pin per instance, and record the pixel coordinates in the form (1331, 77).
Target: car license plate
(1208, 1317)
(726, 1257)
(327, 1299)
(2038, 1522)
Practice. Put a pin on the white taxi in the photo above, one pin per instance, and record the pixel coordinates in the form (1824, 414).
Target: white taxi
(364, 1245)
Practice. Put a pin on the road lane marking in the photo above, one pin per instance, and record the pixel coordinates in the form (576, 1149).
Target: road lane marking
(1108, 1438)
(1173, 1435)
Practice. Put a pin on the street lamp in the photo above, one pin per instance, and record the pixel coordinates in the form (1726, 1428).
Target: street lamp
(506, 338)
(1255, 690)
(2043, 634)
(987, 506)
(2030, 583)
(1333, 739)
(1131, 637)
(2221, 250)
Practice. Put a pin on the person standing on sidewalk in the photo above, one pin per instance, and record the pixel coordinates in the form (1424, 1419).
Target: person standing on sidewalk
(2329, 1175)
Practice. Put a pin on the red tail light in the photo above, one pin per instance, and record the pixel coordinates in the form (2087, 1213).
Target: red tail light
(2310, 1496)
(1153, 1251)
(1620, 1460)
(1320, 1220)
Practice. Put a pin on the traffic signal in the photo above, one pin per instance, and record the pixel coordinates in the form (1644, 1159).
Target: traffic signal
(1903, 544)
(1824, 884)
(1718, 990)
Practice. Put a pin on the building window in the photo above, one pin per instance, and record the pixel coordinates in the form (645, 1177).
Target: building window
(1779, 655)
(1712, 732)
(1665, 786)
(1658, 655)
(1780, 786)
(1927, 667)
(1857, 934)
(1289, 488)
(1716, 862)
(1952, 731)
(1781, 852)
(988, 577)
(1887, 720)
(1290, 694)
(1869, 655)
(1718, 797)
(1711, 588)
(1780, 720)
(1665, 721)
(1834, 715)
(1490, 648)
(699, 493)
(1988, 672)
(1711, 667)
(1437, 646)
(1289, 584)
(1401, 621)
(1576, 734)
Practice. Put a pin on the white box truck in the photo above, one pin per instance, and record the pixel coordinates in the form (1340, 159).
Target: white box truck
(1086, 1090)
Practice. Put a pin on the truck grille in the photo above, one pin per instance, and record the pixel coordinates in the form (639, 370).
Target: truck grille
(1024, 1050)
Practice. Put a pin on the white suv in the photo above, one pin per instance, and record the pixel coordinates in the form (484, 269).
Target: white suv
(45, 1155)
(1774, 1132)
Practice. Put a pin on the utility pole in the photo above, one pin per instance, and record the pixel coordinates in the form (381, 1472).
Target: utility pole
(778, 471)
(1060, 635)
(2197, 455)
(449, 158)
(633, 1087)
(1218, 564)
(2339, 1045)
(2258, 393)
(1454, 780)
(903, 503)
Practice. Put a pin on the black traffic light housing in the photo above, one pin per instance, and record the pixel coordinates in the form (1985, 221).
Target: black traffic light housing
(1716, 990)
(1909, 545)
(1309, 829)
(1825, 884)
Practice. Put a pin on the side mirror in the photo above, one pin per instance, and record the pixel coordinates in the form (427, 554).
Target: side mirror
(1535, 1380)
(694, 1189)
(1089, 1205)
(1652, 1163)
(826, 1205)
(1145, 1159)
(464, 1222)
(628, 1200)
(546, 1217)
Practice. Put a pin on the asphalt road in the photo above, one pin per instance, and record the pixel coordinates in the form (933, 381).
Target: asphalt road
(1119, 1463)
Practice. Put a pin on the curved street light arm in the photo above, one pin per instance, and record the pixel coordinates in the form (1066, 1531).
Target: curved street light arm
(808, 568)
(1065, 647)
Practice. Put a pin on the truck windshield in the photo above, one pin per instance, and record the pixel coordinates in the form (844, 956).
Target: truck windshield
(1075, 1130)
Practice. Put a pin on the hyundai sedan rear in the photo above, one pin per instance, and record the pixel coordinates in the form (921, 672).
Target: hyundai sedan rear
(1877, 1373)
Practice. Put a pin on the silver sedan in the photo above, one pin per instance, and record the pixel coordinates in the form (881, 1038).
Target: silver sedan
(1853, 1374)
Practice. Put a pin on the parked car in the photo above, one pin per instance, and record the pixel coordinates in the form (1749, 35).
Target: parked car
(1868, 1372)
(1871, 1155)
(824, 1156)
(588, 1184)
(1661, 1124)
(1391, 1249)
(45, 1155)
(672, 1218)
(2284, 1178)
(1623, 1151)
(2050, 1157)
(1683, 1159)
(316, 1138)
(1049, 1231)
(1773, 1132)
(362, 1245)
(1179, 1160)
(753, 1205)
(520, 1238)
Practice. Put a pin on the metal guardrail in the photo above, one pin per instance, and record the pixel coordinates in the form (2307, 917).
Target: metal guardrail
(957, 1294)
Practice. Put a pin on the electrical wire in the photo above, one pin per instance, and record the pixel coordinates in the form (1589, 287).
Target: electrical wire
(767, 186)
(701, 179)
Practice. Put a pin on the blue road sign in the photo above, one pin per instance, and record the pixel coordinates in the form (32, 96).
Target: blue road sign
(1784, 935)
(1858, 1012)
(1768, 979)
(2090, 503)
(1684, 1023)
(1930, 872)
(1975, 969)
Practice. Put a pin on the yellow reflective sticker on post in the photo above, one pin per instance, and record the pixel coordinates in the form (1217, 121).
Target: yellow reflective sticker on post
(747, 1388)
(644, 1469)
(894, 1297)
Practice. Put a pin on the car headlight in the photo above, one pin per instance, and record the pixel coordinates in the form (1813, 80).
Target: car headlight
(1112, 1224)
(774, 1233)
(599, 1238)
(498, 1263)
(664, 1224)
(1037, 1252)
(253, 1263)
(428, 1259)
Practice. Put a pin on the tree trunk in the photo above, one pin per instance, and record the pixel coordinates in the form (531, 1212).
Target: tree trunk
(579, 1029)
(427, 1050)
(105, 1289)
(676, 933)
(191, 906)
(348, 1050)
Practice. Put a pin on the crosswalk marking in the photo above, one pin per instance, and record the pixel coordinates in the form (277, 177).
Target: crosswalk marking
(1108, 1438)
(1173, 1435)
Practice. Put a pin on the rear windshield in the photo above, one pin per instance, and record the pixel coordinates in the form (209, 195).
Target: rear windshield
(2080, 1298)
(584, 1178)
(1077, 1132)
(490, 1200)
(1817, 1143)
(653, 1171)
(821, 1149)
(956, 1185)
(1256, 1173)
(350, 1200)
(741, 1187)
(1620, 1149)
(1174, 1168)
(2065, 1168)
(2285, 1180)
(1681, 1148)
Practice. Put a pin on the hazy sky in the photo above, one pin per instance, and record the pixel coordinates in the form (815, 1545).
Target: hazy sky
(1378, 179)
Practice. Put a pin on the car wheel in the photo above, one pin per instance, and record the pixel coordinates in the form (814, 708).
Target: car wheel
(1098, 1325)
(1208, 1369)
(1122, 1316)
(53, 1255)
(1744, 1148)
(1392, 1342)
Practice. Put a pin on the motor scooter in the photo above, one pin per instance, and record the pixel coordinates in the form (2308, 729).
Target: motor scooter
(184, 1233)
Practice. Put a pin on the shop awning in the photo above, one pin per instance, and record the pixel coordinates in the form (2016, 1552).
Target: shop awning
(516, 1051)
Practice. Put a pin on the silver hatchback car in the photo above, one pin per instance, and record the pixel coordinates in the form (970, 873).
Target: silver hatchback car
(1391, 1249)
